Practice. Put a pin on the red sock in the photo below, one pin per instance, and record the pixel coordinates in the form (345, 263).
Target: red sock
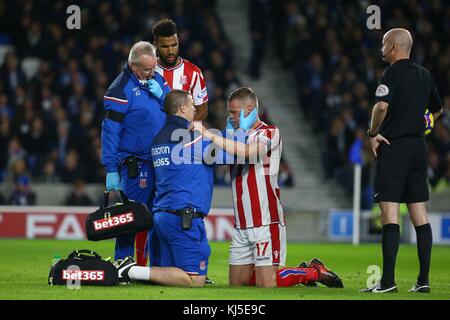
(288, 277)
(141, 239)
(252, 280)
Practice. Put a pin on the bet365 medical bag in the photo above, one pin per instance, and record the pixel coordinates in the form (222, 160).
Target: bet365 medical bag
(83, 267)
(122, 218)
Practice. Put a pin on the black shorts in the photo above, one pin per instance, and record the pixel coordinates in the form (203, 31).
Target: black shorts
(401, 171)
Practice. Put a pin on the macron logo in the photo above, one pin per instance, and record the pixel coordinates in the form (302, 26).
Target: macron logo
(115, 221)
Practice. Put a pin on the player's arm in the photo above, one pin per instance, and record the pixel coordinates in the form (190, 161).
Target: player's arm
(201, 112)
(239, 149)
(116, 106)
(200, 96)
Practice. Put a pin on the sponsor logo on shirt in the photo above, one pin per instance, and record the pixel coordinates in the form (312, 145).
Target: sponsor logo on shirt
(143, 183)
(202, 94)
(275, 253)
(183, 79)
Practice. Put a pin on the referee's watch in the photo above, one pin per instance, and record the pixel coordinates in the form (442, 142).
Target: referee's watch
(370, 135)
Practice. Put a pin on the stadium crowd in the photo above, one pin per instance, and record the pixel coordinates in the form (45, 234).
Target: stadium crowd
(337, 63)
(50, 120)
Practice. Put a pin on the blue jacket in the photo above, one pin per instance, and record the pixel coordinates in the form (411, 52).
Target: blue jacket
(183, 179)
(137, 117)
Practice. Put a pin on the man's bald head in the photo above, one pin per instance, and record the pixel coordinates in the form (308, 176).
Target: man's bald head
(401, 38)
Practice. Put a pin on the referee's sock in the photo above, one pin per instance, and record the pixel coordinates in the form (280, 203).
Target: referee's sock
(424, 244)
(390, 244)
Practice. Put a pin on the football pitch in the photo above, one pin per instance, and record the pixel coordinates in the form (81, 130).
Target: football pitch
(24, 267)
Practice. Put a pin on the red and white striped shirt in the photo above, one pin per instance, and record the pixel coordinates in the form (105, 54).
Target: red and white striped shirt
(188, 77)
(256, 194)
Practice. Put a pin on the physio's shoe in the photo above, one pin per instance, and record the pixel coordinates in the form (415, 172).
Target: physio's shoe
(326, 276)
(123, 267)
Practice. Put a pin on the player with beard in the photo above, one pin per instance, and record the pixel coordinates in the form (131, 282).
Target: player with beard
(179, 73)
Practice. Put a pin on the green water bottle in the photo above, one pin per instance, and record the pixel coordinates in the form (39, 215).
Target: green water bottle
(56, 258)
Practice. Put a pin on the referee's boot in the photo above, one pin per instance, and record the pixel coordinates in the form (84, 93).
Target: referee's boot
(306, 265)
(422, 288)
(378, 289)
(326, 276)
(123, 267)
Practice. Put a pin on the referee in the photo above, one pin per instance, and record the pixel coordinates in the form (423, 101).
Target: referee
(396, 136)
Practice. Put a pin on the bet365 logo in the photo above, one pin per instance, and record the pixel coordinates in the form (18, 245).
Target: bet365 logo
(113, 221)
(83, 275)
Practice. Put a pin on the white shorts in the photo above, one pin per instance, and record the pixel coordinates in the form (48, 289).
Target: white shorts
(263, 246)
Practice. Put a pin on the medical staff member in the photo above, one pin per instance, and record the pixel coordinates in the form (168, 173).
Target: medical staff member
(134, 115)
(184, 187)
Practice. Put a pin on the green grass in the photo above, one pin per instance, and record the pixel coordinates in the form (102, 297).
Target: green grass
(24, 267)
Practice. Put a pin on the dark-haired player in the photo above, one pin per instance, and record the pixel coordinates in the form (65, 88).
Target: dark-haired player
(179, 73)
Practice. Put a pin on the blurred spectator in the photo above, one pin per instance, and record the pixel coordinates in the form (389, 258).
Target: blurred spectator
(17, 169)
(49, 173)
(5, 109)
(285, 178)
(443, 184)
(36, 142)
(259, 15)
(72, 169)
(5, 136)
(334, 155)
(78, 195)
(15, 151)
(10, 74)
(22, 194)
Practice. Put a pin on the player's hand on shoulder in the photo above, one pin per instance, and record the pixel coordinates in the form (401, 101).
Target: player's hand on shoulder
(198, 126)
